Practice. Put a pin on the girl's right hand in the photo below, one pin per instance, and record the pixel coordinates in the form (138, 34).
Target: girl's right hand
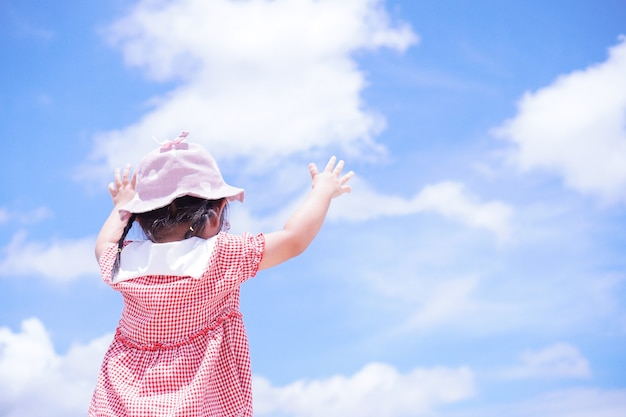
(123, 189)
(331, 177)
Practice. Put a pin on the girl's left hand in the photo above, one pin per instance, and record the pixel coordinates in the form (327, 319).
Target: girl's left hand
(331, 177)
(123, 189)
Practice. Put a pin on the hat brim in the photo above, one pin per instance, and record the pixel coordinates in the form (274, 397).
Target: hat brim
(137, 205)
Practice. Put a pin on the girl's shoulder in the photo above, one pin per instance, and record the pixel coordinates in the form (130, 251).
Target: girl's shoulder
(240, 242)
(244, 248)
(237, 257)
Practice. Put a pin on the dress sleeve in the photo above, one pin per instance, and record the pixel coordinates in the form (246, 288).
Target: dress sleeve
(239, 256)
(106, 261)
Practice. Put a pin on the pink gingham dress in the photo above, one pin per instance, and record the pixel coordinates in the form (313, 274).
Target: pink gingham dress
(181, 348)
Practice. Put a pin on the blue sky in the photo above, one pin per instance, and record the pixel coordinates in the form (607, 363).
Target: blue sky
(477, 267)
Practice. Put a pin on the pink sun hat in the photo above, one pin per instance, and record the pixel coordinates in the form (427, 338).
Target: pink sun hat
(177, 169)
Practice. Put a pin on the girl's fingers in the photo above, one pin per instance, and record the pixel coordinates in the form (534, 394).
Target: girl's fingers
(346, 177)
(338, 168)
(112, 189)
(122, 178)
(313, 170)
(335, 169)
(118, 180)
(331, 164)
(125, 174)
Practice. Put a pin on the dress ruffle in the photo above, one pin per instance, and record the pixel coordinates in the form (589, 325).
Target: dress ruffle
(219, 321)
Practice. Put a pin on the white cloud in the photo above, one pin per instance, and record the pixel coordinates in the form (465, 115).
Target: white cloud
(577, 127)
(256, 79)
(24, 217)
(560, 360)
(577, 402)
(58, 260)
(449, 199)
(377, 390)
(36, 381)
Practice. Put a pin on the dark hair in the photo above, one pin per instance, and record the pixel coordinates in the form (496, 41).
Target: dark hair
(156, 224)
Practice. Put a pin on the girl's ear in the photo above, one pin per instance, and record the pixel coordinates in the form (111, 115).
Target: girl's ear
(214, 221)
(217, 220)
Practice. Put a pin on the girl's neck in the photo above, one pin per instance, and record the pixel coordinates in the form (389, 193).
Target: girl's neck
(178, 234)
(174, 235)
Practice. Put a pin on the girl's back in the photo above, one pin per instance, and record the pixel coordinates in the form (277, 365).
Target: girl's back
(181, 341)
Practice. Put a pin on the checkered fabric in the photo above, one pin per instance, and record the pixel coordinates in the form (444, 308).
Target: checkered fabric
(181, 348)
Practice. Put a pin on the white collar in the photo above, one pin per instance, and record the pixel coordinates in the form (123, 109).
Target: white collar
(188, 257)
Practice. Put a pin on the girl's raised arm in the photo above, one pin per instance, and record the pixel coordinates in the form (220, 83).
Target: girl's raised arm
(306, 221)
(122, 191)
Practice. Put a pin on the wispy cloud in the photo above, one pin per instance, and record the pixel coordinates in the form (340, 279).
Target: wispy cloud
(24, 217)
(560, 360)
(574, 402)
(449, 300)
(49, 260)
(377, 390)
(22, 26)
(576, 127)
(413, 278)
(449, 199)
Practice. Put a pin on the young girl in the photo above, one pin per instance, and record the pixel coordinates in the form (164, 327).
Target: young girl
(181, 348)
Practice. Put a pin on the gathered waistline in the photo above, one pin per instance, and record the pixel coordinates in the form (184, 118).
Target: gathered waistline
(170, 345)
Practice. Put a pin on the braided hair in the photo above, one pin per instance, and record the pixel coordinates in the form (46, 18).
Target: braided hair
(157, 224)
(120, 245)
